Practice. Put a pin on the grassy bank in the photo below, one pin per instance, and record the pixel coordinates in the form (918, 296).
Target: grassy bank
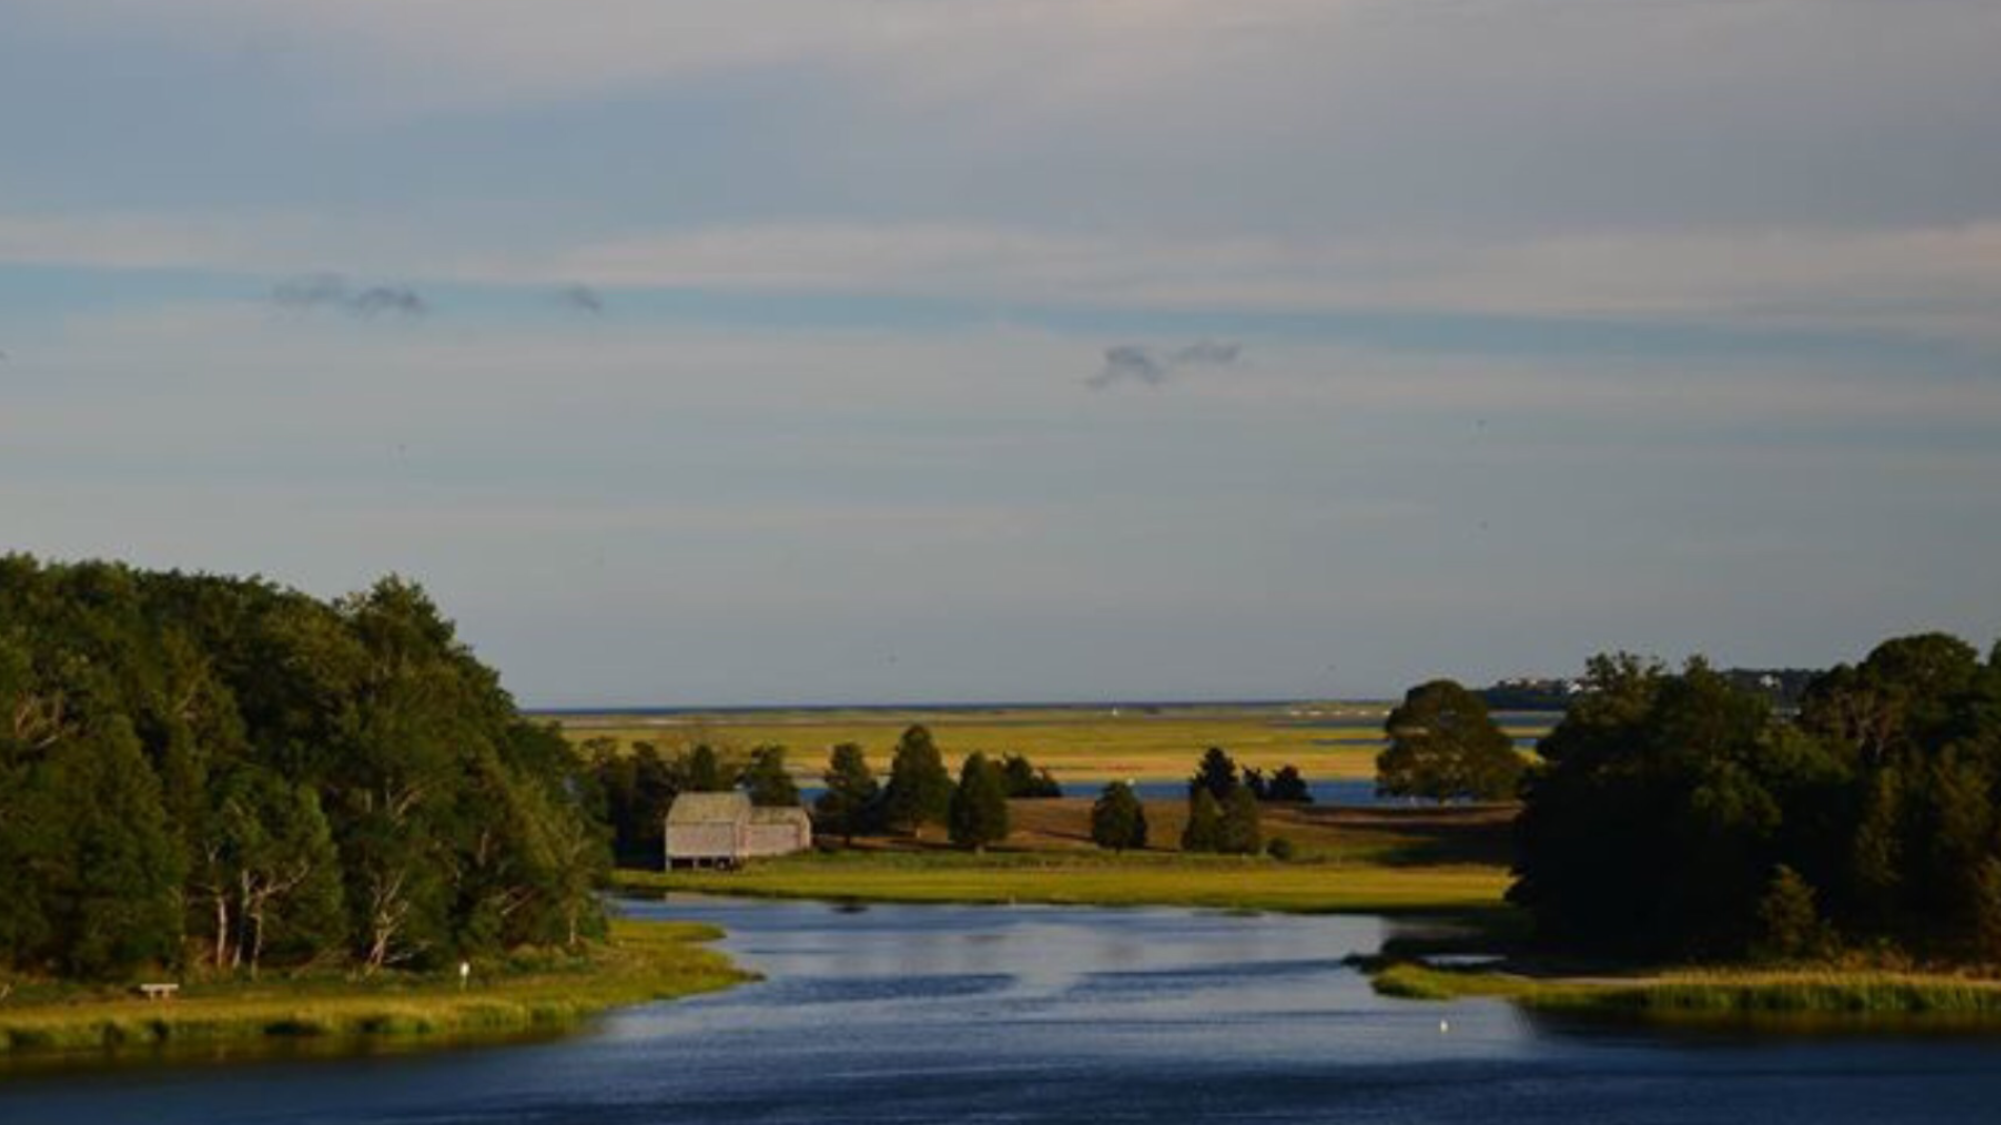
(1216, 883)
(1775, 996)
(643, 961)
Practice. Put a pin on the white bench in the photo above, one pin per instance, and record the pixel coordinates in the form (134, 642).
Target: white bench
(159, 991)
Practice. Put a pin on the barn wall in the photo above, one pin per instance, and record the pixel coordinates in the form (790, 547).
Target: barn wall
(774, 839)
(702, 841)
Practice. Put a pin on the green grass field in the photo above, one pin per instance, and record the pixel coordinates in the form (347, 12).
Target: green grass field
(1077, 744)
(1224, 884)
(643, 962)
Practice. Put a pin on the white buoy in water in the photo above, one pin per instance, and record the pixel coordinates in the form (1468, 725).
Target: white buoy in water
(1444, 1026)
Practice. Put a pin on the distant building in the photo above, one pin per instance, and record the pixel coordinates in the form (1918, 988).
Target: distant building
(724, 829)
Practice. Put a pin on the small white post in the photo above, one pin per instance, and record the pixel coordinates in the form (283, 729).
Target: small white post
(465, 974)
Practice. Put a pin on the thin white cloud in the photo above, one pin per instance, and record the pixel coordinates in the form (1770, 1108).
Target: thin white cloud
(1937, 281)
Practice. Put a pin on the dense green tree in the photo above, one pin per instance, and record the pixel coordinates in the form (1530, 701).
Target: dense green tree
(1665, 802)
(1204, 830)
(1025, 782)
(1445, 747)
(114, 887)
(978, 813)
(1658, 814)
(852, 798)
(919, 790)
(194, 766)
(1215, 774)
(1288, 787)
(702, 770)
(1118, 820)
(1238, 831)
(767, 780)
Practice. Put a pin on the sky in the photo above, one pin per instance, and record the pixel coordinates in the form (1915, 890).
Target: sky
(813, 351)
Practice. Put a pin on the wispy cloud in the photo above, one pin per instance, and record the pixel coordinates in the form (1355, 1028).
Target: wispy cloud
(332, 291)
(1133, 363)
(581, 298)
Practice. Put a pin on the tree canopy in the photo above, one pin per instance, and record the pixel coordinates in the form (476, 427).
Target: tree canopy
(1677, 814)
(978, 812)
(1445, 747)
(197, 762)
(852, 799)
(919, 790)
(1118, 820)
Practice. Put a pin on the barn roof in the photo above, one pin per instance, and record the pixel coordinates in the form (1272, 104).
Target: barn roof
(708, 808)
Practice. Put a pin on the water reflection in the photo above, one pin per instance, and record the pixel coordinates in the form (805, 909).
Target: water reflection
(920, 1014)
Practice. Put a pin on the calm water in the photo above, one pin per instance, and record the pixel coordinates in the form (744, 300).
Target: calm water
(950, 1014)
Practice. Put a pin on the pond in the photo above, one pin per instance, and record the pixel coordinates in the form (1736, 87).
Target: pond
(1041, 1014)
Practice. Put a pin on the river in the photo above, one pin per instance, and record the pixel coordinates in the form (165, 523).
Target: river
(896, 1014)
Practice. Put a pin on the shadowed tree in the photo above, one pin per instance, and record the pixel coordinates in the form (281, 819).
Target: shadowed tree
(1118, 820)
(919, 789)
(1216, 774)
(769, 783)
(1445, 747)
(1237, 831)
(852, 795)
(1204, 831)
(978, 814)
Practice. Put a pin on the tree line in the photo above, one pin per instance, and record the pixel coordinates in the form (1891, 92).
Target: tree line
(218, 772)
(1677, 814)
(921, 791)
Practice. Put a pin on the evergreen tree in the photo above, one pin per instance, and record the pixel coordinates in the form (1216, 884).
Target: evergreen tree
(919, 790)
(1025, 782)
(1118, 820)
(1288, 788)
(702, 770)
(769, 783)
(1237, 831)
(978, 814)
(1203, 832)
(851, 796)
(1216, 774)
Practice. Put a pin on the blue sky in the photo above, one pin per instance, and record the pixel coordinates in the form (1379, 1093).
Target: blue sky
(762, 351)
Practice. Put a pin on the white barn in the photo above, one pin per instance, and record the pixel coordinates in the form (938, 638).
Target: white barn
(724, 829)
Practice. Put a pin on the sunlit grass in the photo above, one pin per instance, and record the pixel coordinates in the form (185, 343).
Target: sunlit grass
(1721, 994)
(643, 961)
(1133, 880)
(1076, 744)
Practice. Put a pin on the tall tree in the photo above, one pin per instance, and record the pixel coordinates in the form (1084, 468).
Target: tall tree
(978, 813)
(919, 790)
(769, 783)
(851, 796)
(1216, 774)
(1204, 830)
(1444, 746)
(1237, 831)
(1118, 820)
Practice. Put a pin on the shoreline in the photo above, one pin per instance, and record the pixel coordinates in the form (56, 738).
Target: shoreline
(641, 962)
(1775, 999)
